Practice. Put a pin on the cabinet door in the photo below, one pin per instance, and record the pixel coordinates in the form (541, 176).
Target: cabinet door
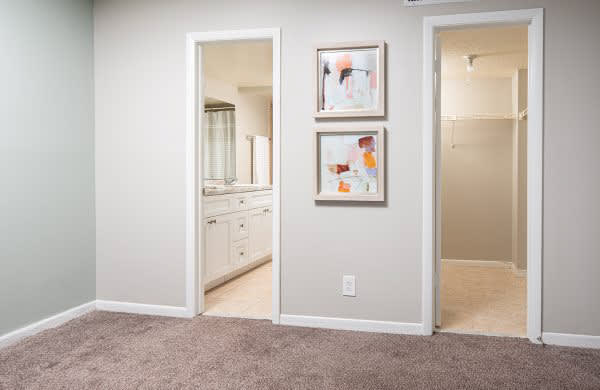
(268, 231)
(260, 233)
(255, 217)
(217, 246)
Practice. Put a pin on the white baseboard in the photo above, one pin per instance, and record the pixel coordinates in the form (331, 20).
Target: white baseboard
(352, 324)
(68, 315)
(519, 272)
(489, 263)
(571, 340)
(47, 323)
(562, 339)
(479, 263)
(142, 308)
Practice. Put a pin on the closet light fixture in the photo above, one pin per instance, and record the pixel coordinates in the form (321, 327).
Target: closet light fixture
(470, 58)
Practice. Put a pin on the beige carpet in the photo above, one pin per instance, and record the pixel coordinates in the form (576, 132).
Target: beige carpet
(125, 351)
(488, 300)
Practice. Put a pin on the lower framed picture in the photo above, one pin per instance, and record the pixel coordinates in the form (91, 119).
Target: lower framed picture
(349, 164)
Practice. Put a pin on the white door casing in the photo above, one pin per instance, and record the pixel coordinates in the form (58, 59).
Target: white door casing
(194, 288)
(534, 18)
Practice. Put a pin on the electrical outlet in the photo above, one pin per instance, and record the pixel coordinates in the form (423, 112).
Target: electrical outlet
(349, 285)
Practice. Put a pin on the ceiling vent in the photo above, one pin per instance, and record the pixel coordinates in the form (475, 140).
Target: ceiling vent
(414, 3)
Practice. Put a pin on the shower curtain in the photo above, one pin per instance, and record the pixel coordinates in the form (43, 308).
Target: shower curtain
(219, 145)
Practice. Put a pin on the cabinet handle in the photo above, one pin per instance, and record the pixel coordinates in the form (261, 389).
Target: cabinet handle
(212, 221)
(242, 202)
(241, 253)
(242, 226)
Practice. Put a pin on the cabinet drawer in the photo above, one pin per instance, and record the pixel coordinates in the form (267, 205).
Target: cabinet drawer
(224, 204)
(216, 205)
(239, 226)
(239, 252)
(260, 200)
(240, 202)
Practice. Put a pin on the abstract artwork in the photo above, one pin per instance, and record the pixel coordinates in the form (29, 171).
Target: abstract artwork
(349, 164)
(350, 80)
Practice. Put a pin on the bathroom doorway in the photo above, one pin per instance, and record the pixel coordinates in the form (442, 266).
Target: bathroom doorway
(237, 187)
(236, 116)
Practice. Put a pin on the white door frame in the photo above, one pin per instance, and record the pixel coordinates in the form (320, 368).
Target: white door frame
(431, 25)
(195, 84)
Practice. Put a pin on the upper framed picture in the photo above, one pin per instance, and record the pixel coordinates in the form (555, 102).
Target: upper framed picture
(350, 80)
(349, 164)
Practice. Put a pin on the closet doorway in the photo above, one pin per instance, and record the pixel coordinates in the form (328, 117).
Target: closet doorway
(482, 166)
(233, 193)
(482, 176)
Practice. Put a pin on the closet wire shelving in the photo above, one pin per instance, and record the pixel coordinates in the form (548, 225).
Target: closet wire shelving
(522, 115)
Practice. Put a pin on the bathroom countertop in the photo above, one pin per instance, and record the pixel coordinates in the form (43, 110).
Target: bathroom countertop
(210, 190)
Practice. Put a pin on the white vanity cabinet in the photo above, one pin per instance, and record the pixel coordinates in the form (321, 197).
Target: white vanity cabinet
(238, 234)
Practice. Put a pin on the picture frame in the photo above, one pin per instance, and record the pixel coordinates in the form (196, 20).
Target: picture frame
(349, 164)
(349, 79)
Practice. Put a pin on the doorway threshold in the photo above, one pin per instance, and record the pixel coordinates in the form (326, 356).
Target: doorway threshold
(477, 333)
(234, 315)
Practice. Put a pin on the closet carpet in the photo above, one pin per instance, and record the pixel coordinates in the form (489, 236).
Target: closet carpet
(488, 300)
(124, 351)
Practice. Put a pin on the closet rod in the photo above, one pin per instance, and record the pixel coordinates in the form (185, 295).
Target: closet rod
(523, 114)
(477, 117)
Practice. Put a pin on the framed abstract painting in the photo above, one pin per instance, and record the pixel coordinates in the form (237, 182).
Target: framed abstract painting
(350, 80)
(349, 164)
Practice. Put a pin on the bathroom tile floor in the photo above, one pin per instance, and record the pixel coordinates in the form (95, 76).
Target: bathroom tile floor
(246, 296)
(488, 300)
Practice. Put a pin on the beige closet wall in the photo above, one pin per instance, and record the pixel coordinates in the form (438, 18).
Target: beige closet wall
(519, 174)
(477, 172)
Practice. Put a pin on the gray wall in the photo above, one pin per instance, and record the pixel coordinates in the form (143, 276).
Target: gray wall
(46, 159)
(140, 156)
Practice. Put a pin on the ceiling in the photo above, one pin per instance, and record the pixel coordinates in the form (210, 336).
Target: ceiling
(498, 50)
(242, 64)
